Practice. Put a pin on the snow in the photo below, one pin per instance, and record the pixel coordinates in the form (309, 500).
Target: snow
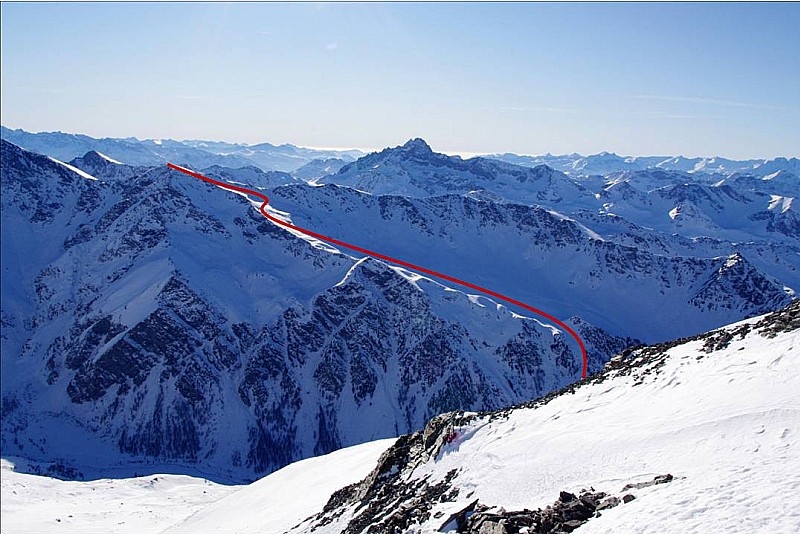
(178, 503)
(732, 261)
(110, 160)
(37, 504)
(73, 169)
(779, 203)
(278, 502)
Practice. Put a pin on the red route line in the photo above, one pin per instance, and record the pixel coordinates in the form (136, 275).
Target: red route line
(384, 257)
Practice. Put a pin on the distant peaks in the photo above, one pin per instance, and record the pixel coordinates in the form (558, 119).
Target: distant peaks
(417, 145)
(97, 158)
(93, 155)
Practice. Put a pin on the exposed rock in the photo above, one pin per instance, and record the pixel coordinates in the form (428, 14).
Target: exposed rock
(565, 515)
(660, 479)
(610, 502)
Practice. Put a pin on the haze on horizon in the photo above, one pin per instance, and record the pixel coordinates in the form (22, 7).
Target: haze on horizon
(635, 79)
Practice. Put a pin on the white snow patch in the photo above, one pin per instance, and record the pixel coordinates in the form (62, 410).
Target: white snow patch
(74, 169)
(732, 261)
(111, 160)
(780, 204)
(726, 425)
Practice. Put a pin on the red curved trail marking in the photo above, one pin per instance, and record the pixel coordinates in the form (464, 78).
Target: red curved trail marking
(384, 257)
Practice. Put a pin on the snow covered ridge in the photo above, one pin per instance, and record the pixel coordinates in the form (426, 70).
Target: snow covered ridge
(718, 412)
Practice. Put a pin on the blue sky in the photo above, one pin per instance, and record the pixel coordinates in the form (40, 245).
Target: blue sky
(692, 79)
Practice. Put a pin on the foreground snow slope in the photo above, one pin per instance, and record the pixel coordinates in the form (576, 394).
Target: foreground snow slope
(720, 412)
(38, 504)
(142, 505)
(280, 501)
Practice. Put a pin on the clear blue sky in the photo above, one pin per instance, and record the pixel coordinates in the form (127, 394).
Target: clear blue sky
(692, 79)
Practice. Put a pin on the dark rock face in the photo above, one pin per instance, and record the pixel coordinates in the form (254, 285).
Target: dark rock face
(383, 489)
(412, 506)
(737, 277)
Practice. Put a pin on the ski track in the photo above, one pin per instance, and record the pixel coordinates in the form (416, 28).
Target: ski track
(334, 241)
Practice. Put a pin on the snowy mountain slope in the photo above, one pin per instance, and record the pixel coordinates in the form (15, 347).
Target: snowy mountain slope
(695, 210)
(667, 201)
(199, 154)
(284, 157)
(781, 183)
(512, 248)
(103, 167)
(719, 413)
(39, 504)
(161, 323)
(647, 180)
(273, 506)
(778, 260)
(164, 324)
(414, 170)
(131, 151)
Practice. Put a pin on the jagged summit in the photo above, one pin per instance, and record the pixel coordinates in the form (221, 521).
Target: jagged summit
(417, 145)
(415, 170)
(94, 161)
(102, 166)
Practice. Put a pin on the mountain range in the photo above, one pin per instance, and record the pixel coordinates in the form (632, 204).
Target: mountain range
(132, 151)
(157, 318)
(289, 158)
(607, 162)
(154, 323)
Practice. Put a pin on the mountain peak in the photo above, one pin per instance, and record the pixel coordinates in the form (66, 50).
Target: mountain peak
(97, 158)
(417, 145)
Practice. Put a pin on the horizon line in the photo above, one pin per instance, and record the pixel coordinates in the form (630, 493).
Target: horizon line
(369, 150)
